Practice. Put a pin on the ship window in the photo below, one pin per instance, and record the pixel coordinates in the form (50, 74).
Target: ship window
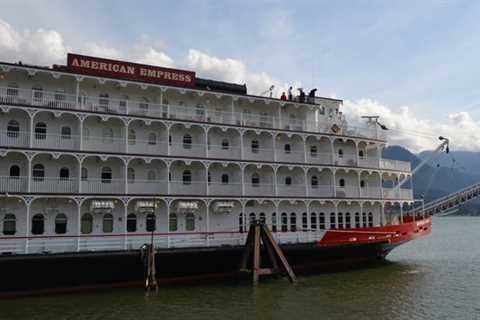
(37, 93)
(87, 223)
(225, 144)
(313, 221)
(150, 222)
(361, 154)
(362, 183)
(288, 181)
(255, 145)
(263, 219)
(84, 174)
(332, 220)
(321, 221)
(251, 218)
(255, 179)
(287, 148)
(187, 177)
(340, 153)
(66, 133)
(364, 219)
(357, 220)
(340, 220)
(173, 222)
(132, 137)
(284, 222)
(40, 131)
(103, 99)
(131, 175)
(9, 224)
(143, 106)
(13, 129)
(38, 224)
(314, 181)
(61, 224)
(131, 222)
(107, 135)
(151, 176)
(341, 183)
(169, 176)
(169, 140)
(190, 222)
(152, 139)
(347, 221)
(304, 221)
(107, 226)
(209, 177)
(370, 219)
(225, 178)
(38, 172)
(12, 89)
(313, 151)
(14, 171)
(187, 141)
(274, 222)
(64, 174)
(106, 175)
(293, 222)
(200, 110)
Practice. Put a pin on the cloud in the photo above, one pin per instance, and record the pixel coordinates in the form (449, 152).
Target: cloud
(408, 130)
(46, 47)
(232, 70)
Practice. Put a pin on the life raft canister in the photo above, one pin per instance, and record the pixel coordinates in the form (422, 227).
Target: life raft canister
(335, 128)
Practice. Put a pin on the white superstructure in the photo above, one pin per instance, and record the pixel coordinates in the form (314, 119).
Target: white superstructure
(92, 163)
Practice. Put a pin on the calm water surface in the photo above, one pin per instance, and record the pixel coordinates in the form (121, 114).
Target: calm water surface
(433, 278)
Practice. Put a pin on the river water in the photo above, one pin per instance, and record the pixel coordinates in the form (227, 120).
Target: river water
(437, 277)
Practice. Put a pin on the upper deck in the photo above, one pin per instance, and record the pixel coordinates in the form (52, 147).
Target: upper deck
(218, 103)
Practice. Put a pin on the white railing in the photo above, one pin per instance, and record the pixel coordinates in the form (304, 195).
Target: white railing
(348, 159)
(293, 156)
(292, 190)
(320, 191)
(369, 192)
(217, 151)
(103, 186)
(347, 192)
(225, 189)
(395, 165)
(319, 157)
(63, 100)
(190, 188)
(262, 154)
(181, 149)
(259, 190)
(14, 139)
(148, 186)
(54, 185)
(148, 147)
(13, 184)
(94, 143)
(390, 193)
(55, 141)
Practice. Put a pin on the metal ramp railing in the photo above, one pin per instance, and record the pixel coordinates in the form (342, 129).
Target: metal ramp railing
(451, 202)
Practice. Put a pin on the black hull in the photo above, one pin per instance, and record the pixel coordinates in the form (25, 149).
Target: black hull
(72, 272)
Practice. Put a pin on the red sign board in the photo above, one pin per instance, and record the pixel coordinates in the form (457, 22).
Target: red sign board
(129, 71)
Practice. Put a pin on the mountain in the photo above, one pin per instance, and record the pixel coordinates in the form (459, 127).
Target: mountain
(438, 177)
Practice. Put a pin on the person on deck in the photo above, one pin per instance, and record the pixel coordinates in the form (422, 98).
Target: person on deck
(311, 95)
(301, 96)
(290, 94)
(283, 97)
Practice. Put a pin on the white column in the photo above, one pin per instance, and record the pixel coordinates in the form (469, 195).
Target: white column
(384, 222)
(126, 136)
(80, 175)
(275, 184)
(207, 221)
(168, 176)
(81, 134)
(125, 163)
(274, 147)
(207, 166)
(336, 214)
(241, 145)
(304, 139)
(306, 181)
(168, 139)
(79, 224)
(206, 142)
(242, 170)
(32, 130)
(27, 226)
(279, 125)
(233, 112)
(334, 156)
(168, 224)
(29, 175)
(125, 236)
(357, 157)
(334, 174)
(77, 92)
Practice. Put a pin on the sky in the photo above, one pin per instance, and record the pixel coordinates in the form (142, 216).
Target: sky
(414, 63)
